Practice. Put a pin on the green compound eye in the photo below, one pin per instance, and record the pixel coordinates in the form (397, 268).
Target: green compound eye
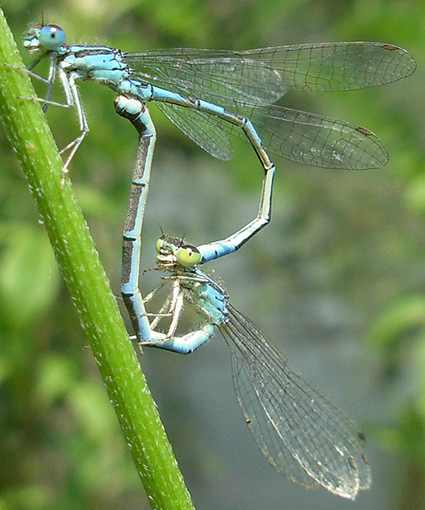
(158, 245)
(188, 255)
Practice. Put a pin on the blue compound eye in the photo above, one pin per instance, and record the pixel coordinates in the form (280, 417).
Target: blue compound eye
(51, 37)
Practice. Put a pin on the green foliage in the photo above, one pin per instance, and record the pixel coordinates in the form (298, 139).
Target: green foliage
(355, 238)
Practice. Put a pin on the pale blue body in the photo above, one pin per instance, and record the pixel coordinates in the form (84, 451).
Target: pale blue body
(207, 92)
(297, 426)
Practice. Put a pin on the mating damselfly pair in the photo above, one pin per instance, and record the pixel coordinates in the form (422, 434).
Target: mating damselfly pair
(208, 93)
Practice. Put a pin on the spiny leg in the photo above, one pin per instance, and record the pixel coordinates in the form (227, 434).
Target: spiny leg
(72, 99)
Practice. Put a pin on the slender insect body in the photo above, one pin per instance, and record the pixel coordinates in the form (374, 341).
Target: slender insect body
(208, 94)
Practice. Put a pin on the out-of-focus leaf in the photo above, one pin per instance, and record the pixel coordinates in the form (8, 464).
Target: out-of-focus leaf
(29, 275)
(404, 316)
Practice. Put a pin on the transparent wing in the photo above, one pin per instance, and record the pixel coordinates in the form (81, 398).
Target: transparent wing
(315, 139)
(297, 426)
(337, 66)
(301, 137)
(216, 76)
(205, 130)
(262, 76)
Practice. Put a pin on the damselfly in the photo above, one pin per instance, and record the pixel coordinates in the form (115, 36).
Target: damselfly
(214, 86)
(207, 93)
(298, 427)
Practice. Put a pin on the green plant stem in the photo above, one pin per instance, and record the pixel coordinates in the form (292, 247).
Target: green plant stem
(87, 283)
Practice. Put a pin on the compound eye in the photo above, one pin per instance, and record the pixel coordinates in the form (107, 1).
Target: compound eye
(188, 255)
(158, 245)
(51, 37)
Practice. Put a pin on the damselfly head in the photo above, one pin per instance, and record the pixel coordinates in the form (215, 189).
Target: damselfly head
(172, 250)
(48, 37)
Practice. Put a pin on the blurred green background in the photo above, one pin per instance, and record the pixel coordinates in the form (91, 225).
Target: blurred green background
(337, 280)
